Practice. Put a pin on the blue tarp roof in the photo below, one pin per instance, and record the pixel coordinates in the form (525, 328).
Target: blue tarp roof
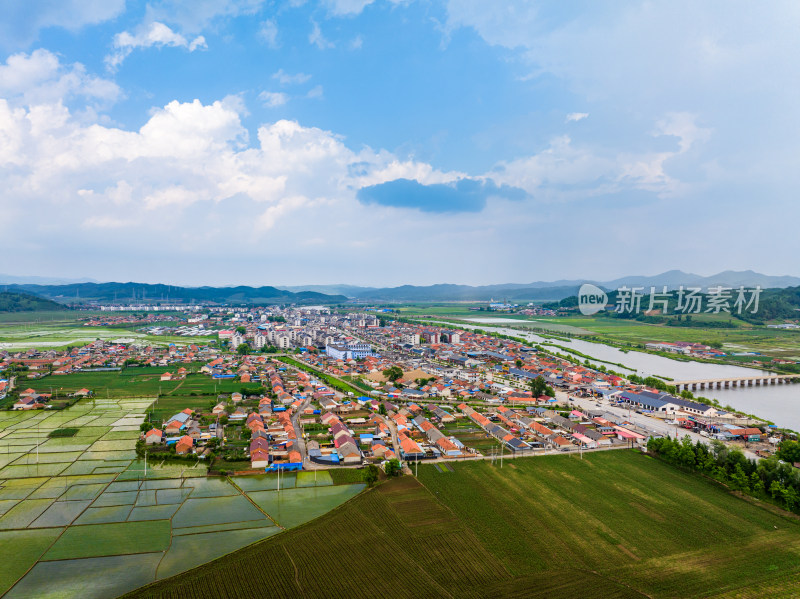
(291, 466)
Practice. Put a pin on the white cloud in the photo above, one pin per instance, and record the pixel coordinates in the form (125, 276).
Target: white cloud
(574, 117)
(315, 92)
(154, 34)
(729, 62)
(269, 33)
(273, 99)
(509, 23)
(285, 78)
(341, 8)
(194, 16)
(356, 43)
(190, 169)
(317, 39)
(683, 126)
(40, 78)
(21, 21)
(648, 171)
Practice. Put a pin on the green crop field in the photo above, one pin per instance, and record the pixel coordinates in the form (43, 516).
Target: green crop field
(22, 330)
(143, 382)
(84, 504)
(614, 524)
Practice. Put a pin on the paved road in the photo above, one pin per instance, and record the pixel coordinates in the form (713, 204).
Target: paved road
(298, 430)
(393, 430)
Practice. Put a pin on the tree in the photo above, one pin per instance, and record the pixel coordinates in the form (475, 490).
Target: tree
(519, 363)
(791, 498)
(538, 386)
(243, 349)
(686, 453)
(393, 373)
(739, 480)
(371, 474)
(382, 409)
(241, 330)
(777, 490)
(789, 451)
(393, 467)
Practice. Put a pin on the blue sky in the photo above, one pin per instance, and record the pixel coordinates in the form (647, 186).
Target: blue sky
(264, 142)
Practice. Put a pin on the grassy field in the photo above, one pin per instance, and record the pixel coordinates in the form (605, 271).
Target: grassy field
(539, 527)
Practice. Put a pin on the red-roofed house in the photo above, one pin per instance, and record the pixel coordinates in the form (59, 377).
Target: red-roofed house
(184, 445)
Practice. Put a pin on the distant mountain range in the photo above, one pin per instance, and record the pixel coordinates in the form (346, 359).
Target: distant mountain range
(20, 280)
(548, 290)
(83, 293)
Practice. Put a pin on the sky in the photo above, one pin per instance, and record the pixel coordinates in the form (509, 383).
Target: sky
(389, 142)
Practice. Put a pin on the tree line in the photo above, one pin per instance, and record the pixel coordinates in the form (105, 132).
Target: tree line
(771, 478)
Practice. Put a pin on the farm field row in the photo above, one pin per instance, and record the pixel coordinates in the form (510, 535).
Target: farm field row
(52, 335)
(138, 382)
(552, 527)
(85, 503)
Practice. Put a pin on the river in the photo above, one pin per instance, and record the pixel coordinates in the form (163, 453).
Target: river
(778, 403)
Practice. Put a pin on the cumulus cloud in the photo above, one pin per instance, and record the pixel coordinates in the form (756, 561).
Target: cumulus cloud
(154, 34)
(40, 78)
(185, 156)
(574, 117)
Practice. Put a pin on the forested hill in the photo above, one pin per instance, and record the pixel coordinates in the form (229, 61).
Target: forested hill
(82, 293)
(24, 302)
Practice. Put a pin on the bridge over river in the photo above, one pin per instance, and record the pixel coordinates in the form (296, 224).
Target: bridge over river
(736, 381)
